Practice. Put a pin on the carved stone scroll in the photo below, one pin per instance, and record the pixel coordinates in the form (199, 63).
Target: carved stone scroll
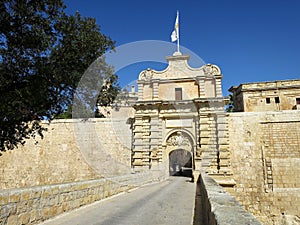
(211, 70)
(146, 75)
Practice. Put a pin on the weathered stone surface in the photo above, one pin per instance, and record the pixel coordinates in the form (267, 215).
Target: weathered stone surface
(255, 156)
(170, 202)
(265, 154)
(180, 108)
(66, 154)
(266, 96)
(56, 199)
(219, 207)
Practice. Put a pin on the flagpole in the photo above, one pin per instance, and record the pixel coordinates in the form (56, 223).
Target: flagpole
(178, 33)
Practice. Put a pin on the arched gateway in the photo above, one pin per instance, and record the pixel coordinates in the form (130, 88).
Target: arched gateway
(179, 120)
(180, 149)
(180, 163)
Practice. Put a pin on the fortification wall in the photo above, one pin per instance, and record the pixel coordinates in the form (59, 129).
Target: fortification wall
(71, 150)
(265, 157)
(264, 148)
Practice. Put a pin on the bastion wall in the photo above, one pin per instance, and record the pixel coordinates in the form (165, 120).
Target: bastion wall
(71, 150)
(265, 157)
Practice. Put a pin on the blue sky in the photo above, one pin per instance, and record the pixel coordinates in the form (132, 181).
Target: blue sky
(257, 40)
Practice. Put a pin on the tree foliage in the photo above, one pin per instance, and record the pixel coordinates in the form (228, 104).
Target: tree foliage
(43, 54)
(110, 90)
(98, 87)
(230, 104)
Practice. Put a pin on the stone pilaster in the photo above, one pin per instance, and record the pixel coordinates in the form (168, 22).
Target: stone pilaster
(140, 90)
(197, 132)
(218, 81)
(155, 89)
(214, 141)
(223, 175)
(160, 125)
(141, 152)
(207, 136)
(154, 140)
(201, 81)
(224, 166)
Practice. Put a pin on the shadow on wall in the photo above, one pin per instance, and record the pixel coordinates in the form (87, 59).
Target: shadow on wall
(180, 163)
(198, 219)
(213, 205)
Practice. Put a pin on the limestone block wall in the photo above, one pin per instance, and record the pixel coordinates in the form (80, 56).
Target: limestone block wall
(35, 204)
(216, 206)
(265, 156)
(208, 142)
(214, 142)
(266, 96)
(256, 101)
(72, 150)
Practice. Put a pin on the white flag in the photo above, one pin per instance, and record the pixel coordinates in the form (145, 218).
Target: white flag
(175, 33)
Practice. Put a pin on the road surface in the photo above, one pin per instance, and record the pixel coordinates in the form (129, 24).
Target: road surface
(164, 203)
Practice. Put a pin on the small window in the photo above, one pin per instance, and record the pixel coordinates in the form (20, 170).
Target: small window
(268, 101)
(178, 93)
(277, 100)
(298, 101)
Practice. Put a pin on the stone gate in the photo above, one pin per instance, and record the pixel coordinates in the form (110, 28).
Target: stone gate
(181, 108)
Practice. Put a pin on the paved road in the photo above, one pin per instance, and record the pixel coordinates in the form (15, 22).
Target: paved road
(168, 202)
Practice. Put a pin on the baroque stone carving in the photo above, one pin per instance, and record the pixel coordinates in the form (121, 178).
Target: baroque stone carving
(146, 75)
(178, 139)
(211, 70)
(154, 153)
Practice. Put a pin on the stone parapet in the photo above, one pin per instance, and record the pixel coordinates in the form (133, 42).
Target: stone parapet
(219, 207)
(36, 204)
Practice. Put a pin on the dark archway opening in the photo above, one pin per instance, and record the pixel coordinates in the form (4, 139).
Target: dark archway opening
(180, 163)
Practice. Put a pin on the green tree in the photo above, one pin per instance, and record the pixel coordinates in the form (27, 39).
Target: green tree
(109, 90)
(43, 54)
(230, 104)
(98, 87)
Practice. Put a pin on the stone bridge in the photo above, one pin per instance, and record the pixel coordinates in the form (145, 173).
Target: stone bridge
(174, 200)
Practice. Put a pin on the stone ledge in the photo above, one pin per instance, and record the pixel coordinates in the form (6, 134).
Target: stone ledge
(219, 207)
(35, 204)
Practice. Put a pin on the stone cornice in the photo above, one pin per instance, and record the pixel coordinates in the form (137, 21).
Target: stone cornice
(265, 86)
(178, 68)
